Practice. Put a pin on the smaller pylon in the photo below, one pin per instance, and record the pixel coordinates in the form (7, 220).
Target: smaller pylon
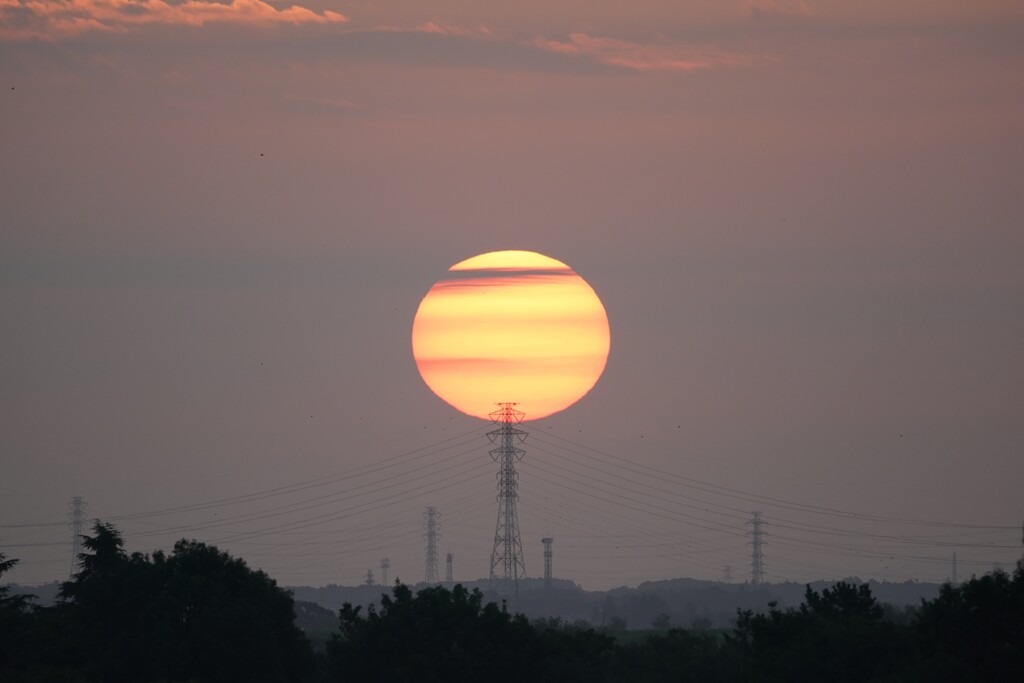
(548, 554)
(757, 556)
(385, 564)
(76, 517)
(448, 559)
(369, 578)
(431, 520)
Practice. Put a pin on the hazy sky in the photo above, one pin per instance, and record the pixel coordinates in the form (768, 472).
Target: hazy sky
(804, 220)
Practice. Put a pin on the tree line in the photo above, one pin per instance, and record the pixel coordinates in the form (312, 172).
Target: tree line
(198, 614)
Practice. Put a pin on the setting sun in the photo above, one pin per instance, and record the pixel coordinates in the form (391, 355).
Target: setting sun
(511, 326)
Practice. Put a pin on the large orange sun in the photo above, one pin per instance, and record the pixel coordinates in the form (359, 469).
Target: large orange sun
(511, 326)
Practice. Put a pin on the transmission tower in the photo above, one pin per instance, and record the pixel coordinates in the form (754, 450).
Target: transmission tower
(548, 554)
(757, 557)
(76, 516)
(448, 559)
(432, 522)
(369, 578)
(507, 557)
(727, 574)
(954, 575)
(385, 564)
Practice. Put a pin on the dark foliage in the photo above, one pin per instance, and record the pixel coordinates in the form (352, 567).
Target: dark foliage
(678, 655)
(194, 615)
(838, 635)
(975, 631)
(971, 632)
(15, 623)
(198, 614)
(435, 635)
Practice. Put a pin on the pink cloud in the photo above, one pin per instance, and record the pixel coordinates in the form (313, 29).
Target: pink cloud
(643, 57)
(53, 19)
(444, 29)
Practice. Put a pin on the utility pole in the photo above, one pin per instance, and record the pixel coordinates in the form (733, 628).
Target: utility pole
(448, 559)
(76, 517)
(757, 557)
(507, 556)
(548, 554)
(384, 565)
(431, 517)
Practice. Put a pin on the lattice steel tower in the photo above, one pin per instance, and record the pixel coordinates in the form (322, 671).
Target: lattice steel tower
(757, 557)
(507, 557)
(448, 559)
(548, 554)
(432, 522)
(76, 517)
(384, 565)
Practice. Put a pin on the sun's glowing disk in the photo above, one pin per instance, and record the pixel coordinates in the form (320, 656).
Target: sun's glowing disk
(511, 326)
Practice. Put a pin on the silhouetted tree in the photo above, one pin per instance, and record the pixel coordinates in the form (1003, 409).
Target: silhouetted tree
(435, 635)
(662, 622)
(15, 625)
(838, 635)
(575, 652)
(196, 614)
(974, 631)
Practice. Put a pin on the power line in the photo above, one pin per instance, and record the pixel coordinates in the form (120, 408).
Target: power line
(779, 502)
(326, 480)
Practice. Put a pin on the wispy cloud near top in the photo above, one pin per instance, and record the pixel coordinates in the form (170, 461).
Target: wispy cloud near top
(53, 19)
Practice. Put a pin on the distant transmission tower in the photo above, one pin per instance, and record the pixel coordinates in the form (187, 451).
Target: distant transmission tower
(507, 557)
(431, 517)
(76, 516)
(548, 554)
(757, 557)
(448, 559)
(954, 574)
(385, 564)
(727, 574)
(369, 578)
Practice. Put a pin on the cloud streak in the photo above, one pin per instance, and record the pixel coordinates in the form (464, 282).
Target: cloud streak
(641, 56)
(477, 44)
(53, 19)
(444, 29)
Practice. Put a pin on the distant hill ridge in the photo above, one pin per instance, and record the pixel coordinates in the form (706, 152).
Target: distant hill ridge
(685, 601)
